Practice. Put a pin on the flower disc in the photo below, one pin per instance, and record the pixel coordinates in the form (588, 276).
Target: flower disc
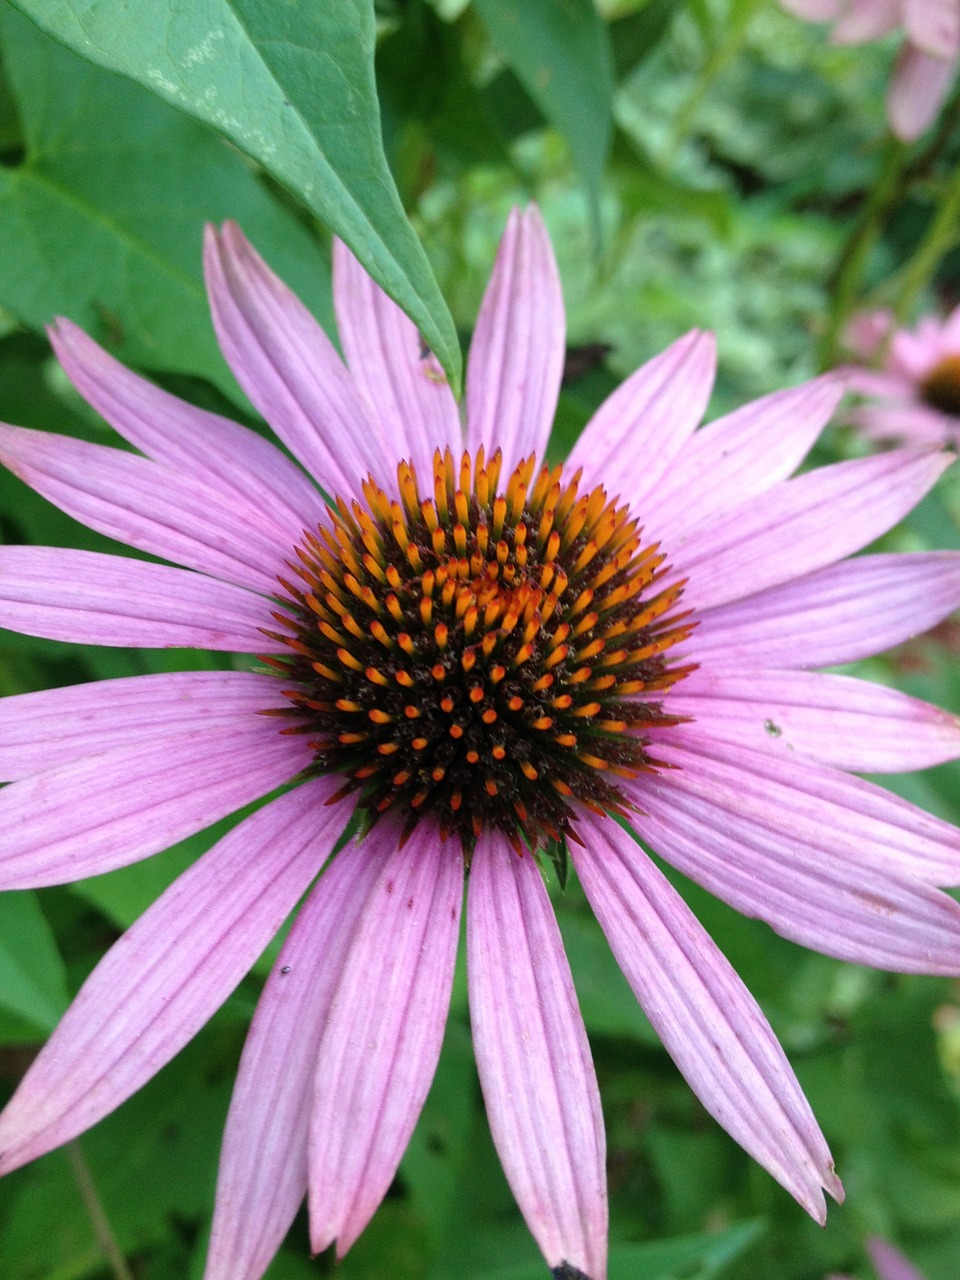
(485, 657)
(941, 387)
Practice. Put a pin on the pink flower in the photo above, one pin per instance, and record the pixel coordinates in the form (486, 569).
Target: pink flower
(486, 657)
(927, 63)
(914, 396)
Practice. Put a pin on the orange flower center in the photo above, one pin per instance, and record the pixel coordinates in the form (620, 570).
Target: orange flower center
(941, 387)
(490, 658)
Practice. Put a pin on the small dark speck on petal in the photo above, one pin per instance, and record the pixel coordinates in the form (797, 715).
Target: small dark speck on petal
(389, 886)
(566, 1271)
(772, 728)
(285, 969)
(409, 904)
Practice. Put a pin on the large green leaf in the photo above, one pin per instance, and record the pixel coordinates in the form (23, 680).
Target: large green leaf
(32, 979)
(560, 50)
(103, 220)
(293, 86)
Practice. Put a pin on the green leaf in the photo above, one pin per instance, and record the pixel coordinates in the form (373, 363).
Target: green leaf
(700, 1257)
(103, 220)
(560, 50)
(292, 86)
(635, 36)
(608, 1005)
(33, 983)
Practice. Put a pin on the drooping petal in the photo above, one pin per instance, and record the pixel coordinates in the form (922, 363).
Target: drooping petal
(888, 1262)
(918, 89)
(739, 456)
(54, 727)
(288, 366)
(879, 382)
(709, 1023)
(170, 972)
(381, 1038)
(263, 1162)
(533, 1058)
(86, 597)
(517, 353)
(863, 20)
(837, 720)
(903, 423)
(815, 804)
(914, 352)
(406, 389)
(190, 441)
(636, 434)
(933, 26)
(109, 810)
(770, 850)
(813, 10)
(803, 525)
(150, 507)
(836, 615)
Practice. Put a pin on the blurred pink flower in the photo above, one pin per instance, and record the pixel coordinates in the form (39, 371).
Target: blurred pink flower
(914, 395)
(927, 64)
(482, 667)
(888, 1262)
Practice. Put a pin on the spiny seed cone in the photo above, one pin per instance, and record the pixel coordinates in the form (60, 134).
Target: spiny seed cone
(485, 657)
(941, 387)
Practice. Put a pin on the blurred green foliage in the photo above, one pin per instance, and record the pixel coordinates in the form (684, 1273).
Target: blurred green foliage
(698, 162)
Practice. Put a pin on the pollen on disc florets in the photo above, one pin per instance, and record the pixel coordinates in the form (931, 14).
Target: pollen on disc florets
(489, 658)
(941, 387)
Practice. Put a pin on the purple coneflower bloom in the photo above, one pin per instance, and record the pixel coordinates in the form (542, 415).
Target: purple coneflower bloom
(488, 657)
(914, 395)
(927, 64)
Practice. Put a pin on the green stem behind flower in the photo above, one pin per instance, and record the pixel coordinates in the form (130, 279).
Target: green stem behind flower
(848, 277)
(941, 236)
(96, 1213)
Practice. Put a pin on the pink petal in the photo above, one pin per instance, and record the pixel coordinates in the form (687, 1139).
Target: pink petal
(534, 1060)
(740, 456)
(381, 1038)
(918, 89)
(840, 614)
(518, 348)
(288, 367)
(709, 1023)
(776, 854)
(630, 443)
(867, 331)
(888, 1262)
(192, 442)
(170, 972)
(263, 1164)
(886, 383)
(851, 724)
(149, 507)
(86, 597)
(818, 805)
(813, 10)
(54, 727)
(109, 810)
(802, 525)
(916, 425)
(933, 26)
(913, 353)
(406, 390)
(864, 20)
